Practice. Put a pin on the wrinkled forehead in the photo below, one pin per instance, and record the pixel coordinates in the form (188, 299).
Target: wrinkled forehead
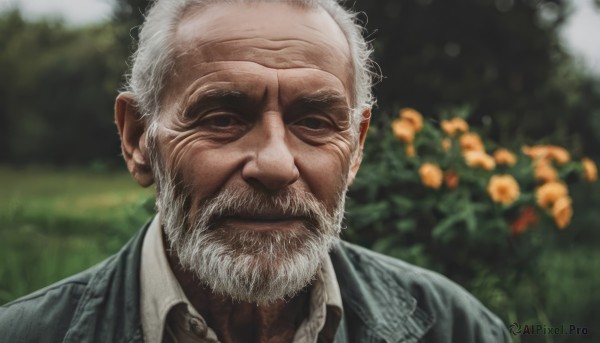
(275, 35)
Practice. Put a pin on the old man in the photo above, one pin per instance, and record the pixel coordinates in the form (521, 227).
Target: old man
(249, 117)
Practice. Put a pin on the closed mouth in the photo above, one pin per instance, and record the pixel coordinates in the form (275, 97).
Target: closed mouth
(264, 218)
(263, 222)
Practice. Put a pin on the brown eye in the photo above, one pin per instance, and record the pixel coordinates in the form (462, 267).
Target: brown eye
(223, 125)
(313, 123)
(222, 121)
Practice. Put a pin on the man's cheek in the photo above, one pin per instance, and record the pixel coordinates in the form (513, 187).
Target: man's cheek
(326, 175)
(207, 171)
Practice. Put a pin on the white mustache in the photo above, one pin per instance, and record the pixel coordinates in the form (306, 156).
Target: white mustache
(251, 204)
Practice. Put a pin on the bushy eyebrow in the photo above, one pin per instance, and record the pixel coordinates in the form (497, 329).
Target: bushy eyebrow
(323, 98)
(324, 101)
(213, 97)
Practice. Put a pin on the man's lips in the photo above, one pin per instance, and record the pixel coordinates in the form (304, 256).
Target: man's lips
(263, 222)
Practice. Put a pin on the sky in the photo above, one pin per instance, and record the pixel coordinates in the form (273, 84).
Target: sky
(76, 12)
(581, 34)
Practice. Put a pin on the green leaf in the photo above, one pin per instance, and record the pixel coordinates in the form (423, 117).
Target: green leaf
(368, 214)
(406, 225)
(442, 231)
(402, 204)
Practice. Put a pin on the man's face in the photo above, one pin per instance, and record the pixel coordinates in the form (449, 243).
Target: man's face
(255, 145)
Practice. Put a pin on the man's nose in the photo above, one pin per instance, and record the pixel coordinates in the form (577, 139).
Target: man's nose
(272, 163)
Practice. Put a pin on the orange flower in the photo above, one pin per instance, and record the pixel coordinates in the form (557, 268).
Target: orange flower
(504, 157)
(451, 179)
(454, 125)
(535, 152)
(549, 193)
(403, 130)
(479, 159)
(410, 150)
(503, 189)
(471, 142)
(590, 171)
(446, 144)
(562, 211)
(448, 127)
(527, 218)
(544, 172)
(460, 124)
(412, 116)
(552, 152)
(431, 175)
(559, 154)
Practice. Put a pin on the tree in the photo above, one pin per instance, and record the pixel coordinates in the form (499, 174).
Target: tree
(58, 89)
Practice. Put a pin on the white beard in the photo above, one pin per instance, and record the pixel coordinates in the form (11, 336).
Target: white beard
(247, 265)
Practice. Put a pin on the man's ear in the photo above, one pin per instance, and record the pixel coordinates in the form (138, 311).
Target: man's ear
(132, 130)
(364, 127)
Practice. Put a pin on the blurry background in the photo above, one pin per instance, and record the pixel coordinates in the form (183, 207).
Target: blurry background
(521, 71)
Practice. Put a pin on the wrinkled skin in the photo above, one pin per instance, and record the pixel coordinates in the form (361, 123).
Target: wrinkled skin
(260, 98)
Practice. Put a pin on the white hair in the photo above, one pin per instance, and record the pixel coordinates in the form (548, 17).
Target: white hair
(154, 58)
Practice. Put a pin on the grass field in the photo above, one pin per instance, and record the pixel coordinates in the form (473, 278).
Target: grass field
(53, 224)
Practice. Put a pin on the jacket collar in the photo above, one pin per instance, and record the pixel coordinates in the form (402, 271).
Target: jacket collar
(372, 295)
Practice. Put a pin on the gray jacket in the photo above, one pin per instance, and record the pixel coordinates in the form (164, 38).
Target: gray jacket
(384, 299)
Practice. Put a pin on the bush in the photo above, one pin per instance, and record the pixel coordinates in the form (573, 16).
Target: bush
(431, 193)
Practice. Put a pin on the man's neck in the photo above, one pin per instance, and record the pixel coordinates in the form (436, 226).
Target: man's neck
(236, 321)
